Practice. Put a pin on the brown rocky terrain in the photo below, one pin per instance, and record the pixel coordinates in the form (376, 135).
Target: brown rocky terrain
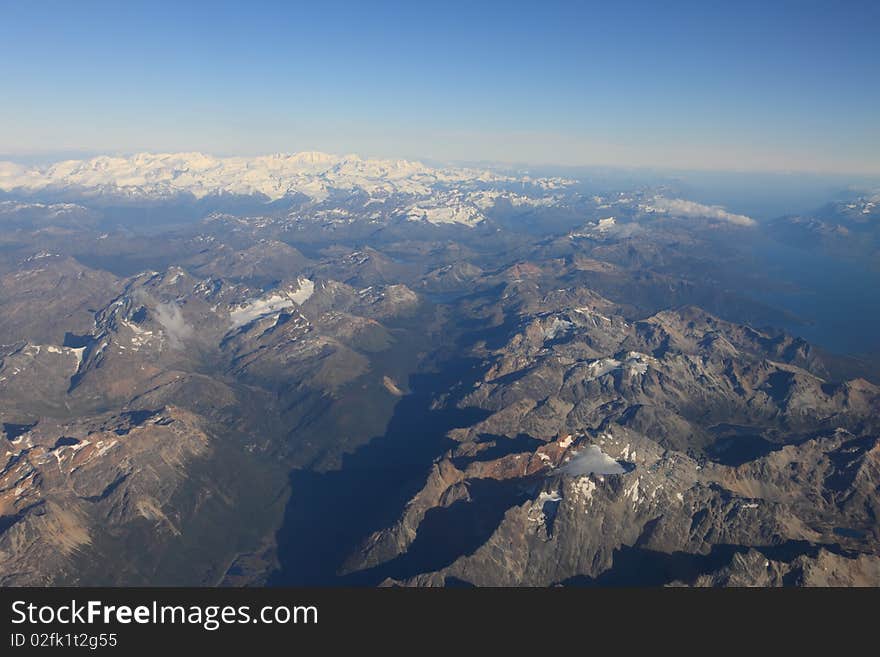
(341, 391)
(679, 434)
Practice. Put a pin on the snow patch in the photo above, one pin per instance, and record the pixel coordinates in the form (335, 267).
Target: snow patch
(592, 460)
(276, 302)
(305, 291)
(557, 327)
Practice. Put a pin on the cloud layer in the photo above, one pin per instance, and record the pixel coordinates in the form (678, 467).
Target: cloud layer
(678, 207)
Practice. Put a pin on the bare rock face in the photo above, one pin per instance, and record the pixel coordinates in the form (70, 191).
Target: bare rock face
(683, 447)
(65, 484)
(48, 295)
(821, 569)
(157, 406)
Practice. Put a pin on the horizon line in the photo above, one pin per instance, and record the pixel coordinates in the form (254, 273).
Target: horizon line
(50, 156)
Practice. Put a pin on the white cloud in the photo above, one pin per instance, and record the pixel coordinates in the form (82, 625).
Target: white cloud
(171, 319)
(678, 207)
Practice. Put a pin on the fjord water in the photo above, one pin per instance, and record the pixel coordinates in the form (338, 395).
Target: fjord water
(837, 299)
(834, 300)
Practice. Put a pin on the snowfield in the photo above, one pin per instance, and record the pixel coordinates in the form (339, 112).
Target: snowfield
(273, 303)
(311, 174)
(592, 460)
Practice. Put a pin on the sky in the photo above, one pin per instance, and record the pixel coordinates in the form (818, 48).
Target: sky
(744, 86)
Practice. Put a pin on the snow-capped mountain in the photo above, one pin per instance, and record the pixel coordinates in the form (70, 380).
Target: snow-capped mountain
(421, 192)
(160, 175)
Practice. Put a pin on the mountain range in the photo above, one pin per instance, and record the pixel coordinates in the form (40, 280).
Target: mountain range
(318, 370)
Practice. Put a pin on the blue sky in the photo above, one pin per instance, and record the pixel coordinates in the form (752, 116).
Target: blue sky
(738, 85)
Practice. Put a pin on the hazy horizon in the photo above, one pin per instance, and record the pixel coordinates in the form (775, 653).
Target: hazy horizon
(858, 179)
(749, 87)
